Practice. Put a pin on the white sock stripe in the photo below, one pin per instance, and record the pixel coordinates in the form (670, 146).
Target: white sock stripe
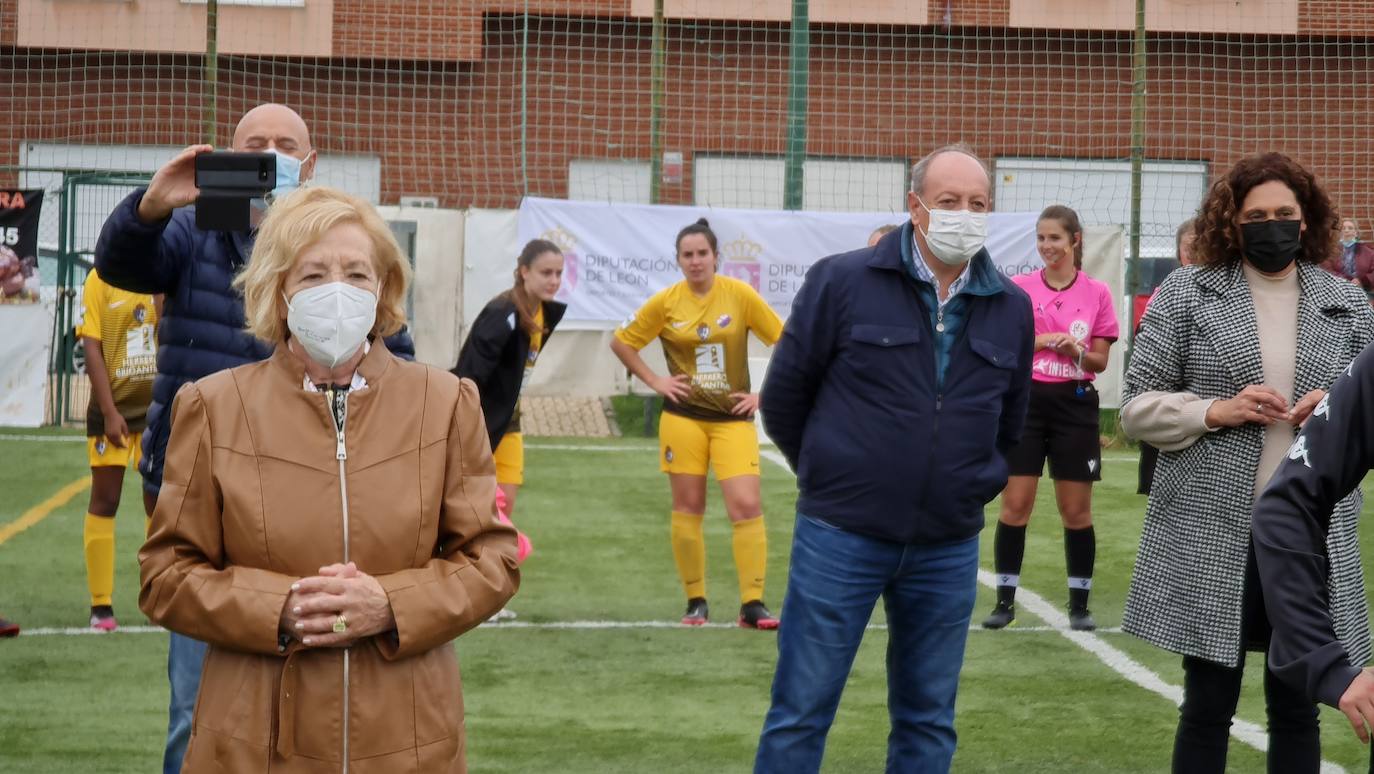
(1009, 580)
(1081, 583)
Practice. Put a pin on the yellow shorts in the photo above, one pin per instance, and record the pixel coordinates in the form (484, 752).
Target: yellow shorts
(687, 445)
(510, 459)
(102, 453)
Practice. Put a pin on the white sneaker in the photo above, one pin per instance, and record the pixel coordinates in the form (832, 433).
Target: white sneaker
(504, 614)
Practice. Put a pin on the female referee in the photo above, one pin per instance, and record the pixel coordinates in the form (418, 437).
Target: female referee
(500, 351)
(1075, 326)
(708, 413)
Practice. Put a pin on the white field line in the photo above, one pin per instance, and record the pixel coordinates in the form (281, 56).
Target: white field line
(1247, 732)
(79, 631)
(649, 444)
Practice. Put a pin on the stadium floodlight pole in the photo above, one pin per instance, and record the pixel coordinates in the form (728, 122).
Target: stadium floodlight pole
(656, 73)
(211, 69)
(1138, 92)
(797, 87)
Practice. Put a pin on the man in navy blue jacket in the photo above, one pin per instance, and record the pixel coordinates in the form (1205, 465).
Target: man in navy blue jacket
(901, 379)
(150, 244)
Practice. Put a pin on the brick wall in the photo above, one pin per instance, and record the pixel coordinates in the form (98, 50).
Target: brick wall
(454, 129)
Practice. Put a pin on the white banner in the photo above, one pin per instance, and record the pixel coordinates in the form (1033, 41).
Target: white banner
(617, 255)
(23, 363)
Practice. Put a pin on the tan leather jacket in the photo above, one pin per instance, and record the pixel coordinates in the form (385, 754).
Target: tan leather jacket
(254, 497)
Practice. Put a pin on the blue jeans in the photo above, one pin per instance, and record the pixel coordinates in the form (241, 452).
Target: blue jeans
(835, 579)
(185, 657)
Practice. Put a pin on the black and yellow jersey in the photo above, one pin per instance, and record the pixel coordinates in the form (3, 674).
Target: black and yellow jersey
(125, 324)
(706, 338)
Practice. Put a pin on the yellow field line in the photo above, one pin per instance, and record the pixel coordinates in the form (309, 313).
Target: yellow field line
(40, 511)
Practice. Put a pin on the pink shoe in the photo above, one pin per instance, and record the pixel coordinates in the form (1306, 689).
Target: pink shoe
(104, 622)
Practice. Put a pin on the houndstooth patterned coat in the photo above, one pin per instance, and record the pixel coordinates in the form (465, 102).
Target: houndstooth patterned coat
(1200, 335)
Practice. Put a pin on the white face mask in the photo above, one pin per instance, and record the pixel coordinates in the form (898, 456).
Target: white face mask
(331, 321)
(955, 236)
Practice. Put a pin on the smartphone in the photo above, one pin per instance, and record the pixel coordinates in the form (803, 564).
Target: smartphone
(228, 181)
(252, 173)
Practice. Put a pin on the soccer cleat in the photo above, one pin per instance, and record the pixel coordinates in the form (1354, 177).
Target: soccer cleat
(8, 628)
(504, 614)
(102, 618)
(1001, 617)
(697, 612)
(1080, 620)
(753, 615)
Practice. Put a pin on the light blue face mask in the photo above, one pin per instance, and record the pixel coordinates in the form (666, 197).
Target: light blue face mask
(288, 175)
(1349, 242)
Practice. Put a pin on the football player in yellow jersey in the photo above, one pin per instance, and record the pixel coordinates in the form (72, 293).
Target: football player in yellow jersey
(501, 349)
(118, 333)
(708, 411)
(500, 353)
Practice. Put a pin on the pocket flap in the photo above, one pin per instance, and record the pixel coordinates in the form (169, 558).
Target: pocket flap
(994, 354)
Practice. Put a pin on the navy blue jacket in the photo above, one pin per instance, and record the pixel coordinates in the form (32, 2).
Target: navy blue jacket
(851, 397)
(201, 328)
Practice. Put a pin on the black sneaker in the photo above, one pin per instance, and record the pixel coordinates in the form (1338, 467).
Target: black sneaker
(1001, 617)
(1080, 620)
(754, 615)
(697, 612)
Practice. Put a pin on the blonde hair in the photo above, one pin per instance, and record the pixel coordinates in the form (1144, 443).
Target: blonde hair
(295, 222)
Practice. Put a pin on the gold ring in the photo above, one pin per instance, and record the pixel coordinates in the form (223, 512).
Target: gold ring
(340, 624)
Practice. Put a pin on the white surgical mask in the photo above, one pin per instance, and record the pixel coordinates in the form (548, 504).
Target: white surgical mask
(955, 236)
(331, 321)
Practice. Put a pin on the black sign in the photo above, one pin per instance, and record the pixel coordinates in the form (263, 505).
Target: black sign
(19, 245)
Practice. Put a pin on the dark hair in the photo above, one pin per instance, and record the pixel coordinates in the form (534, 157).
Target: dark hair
(1066, 217)
(1183, 228)
(533, 249)
(700, 227)
(1218, 235)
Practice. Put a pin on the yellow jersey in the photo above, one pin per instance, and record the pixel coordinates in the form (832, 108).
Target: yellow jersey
(125, 324)
(536, 340)
(706, 338)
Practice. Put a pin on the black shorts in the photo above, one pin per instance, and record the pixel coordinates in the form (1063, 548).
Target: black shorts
(1063, 426)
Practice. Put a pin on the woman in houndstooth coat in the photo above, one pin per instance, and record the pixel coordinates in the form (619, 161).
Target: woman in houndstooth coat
(1232, 356)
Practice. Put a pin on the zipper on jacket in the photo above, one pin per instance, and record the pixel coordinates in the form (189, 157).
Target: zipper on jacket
(337, 400)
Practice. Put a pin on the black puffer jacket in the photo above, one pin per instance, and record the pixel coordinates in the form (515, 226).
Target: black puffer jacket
(494, 357)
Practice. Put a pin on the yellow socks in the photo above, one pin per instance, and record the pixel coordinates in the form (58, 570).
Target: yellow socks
(689, 552)
(98, 537)
(751, 557)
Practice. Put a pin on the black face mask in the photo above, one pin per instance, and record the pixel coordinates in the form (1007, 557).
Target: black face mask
(1270, 245)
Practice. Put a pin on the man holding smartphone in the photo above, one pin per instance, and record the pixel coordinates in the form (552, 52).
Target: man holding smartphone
(151, 244)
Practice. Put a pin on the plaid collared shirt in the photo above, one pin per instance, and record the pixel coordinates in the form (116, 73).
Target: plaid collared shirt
(922, 272)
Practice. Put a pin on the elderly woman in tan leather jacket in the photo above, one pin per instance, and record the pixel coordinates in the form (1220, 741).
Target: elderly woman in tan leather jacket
(327, 519)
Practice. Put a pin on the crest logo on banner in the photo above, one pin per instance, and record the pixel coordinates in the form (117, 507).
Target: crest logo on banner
(568, 244)
(741, 261)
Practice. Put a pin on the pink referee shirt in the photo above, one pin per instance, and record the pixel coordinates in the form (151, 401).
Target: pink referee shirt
(1084, 310)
